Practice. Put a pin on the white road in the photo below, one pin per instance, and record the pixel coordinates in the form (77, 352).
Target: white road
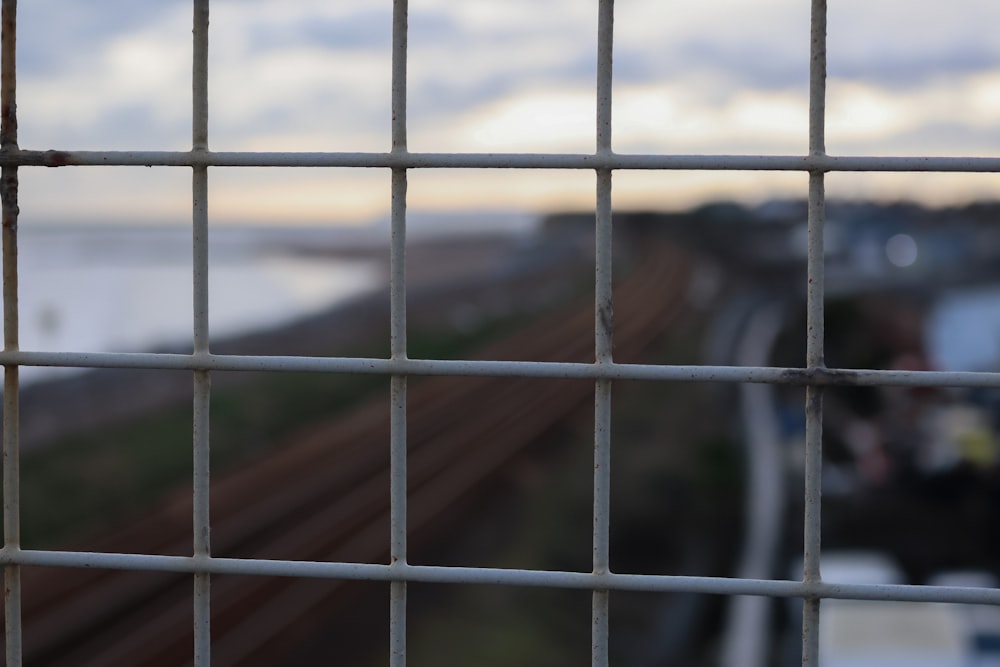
(748, 630)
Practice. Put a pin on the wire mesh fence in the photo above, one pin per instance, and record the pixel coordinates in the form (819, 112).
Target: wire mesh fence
(202, 565)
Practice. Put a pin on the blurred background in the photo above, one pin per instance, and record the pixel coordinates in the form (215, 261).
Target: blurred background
(709, 269)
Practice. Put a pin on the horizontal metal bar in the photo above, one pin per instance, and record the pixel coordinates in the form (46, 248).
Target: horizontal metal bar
(501, 577)
(404, 159)
(820, 377)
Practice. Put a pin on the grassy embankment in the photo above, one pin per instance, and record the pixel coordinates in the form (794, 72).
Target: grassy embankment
(676, 491)
(676, 480)
(86, 481)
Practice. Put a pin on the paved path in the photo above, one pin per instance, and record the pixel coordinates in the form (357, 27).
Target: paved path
(748, 631)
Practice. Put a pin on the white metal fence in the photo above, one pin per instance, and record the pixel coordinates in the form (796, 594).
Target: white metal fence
(603, 162)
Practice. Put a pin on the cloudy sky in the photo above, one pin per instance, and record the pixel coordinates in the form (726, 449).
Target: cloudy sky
(712, 76)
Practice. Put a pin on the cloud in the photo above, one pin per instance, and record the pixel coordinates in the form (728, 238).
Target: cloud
(338, 98)
(865, 118)
(682, 119)
(125, 86)
(895, 43)
(299, 76)
(55, 35)
(719, 76)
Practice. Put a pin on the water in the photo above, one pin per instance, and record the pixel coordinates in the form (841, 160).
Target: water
(87, 289)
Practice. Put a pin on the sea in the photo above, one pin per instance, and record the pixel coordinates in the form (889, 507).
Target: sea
(129, 289)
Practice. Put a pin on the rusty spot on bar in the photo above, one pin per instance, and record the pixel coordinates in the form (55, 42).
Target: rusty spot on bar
(56, 158)
(8, 75)
(8, 111)
(8, 196)
(606, 316)
(820, 377)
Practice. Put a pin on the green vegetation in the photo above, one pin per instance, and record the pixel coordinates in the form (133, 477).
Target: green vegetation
(676, 493)
(78, 482)
(89, 480)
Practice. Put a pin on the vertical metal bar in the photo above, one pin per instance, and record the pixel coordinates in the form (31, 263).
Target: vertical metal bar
(202, 379)
(397, 589)
(397, 288)
(605, 48)
(600, 617)
(814, 335)
(400, 11)
(603, 250)
(397, 417)
(603, 337)
(817, 79)
(11, 397)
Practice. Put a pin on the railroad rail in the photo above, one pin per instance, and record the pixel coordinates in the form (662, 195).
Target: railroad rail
(323, 495)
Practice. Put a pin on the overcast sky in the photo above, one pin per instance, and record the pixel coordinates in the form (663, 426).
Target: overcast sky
(712, 76)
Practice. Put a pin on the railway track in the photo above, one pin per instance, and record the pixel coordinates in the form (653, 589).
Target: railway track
(323, 495)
